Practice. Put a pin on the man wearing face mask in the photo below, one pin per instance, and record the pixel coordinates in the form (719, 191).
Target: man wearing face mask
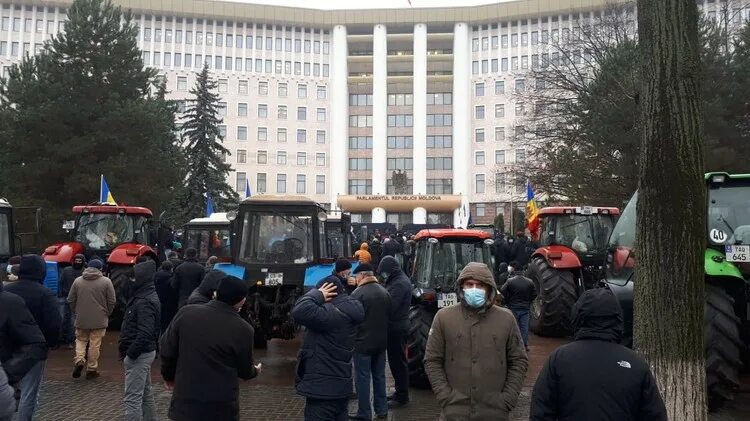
(475, 358)
(68, 275)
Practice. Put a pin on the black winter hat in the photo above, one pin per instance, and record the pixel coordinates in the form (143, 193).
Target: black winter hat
(342, 264)
(96, 264)
(231, 290)
(363, 267)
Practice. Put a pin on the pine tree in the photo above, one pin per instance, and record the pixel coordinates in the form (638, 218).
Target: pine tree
(207, 173)
(86, 106)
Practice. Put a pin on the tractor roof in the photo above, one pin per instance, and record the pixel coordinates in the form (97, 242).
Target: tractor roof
(129, 210)
(282, 200)
(581, 210)
(452, 233)
(708, 175)
(216, 218)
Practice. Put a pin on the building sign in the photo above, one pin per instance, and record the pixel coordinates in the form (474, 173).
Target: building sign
(399, 202)
(405, 198)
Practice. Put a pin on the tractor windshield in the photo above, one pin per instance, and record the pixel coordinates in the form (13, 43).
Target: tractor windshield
(5, 239)
(335, 238)
(729, 212)
(621, 250)
(104, 231)
(274, 237)
(444, 260)
(582, 233)
(208, 241)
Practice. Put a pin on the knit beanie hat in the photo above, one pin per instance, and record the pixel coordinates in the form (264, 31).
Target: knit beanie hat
(342, 264)
(231, 290)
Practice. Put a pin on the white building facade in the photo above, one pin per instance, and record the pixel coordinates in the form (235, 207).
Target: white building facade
(399, 116)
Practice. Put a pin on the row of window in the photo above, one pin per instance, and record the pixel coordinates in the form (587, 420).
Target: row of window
(281, 111)
(262, 158)
(261, 183)
(231, 40)
(479, 114)
(235, 63)
(282, 89)
(537, 61)
(400, 120)
(522, 39)
(479, 134)
(29, 25)
(281, 134)
(434, 186)
(15, 48)
(402, 142)
(502, 184)
(440, 98)
(500, 157)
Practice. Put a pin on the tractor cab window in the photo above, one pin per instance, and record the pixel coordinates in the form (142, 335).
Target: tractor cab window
(621, 252)
(582, 233)
(209, 242)
(106, 231)
(273, 237)
(4, 235)
(729, 213)
(445, 260)
(335, 239)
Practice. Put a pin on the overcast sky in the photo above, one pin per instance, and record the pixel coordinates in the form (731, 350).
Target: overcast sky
(364, 4)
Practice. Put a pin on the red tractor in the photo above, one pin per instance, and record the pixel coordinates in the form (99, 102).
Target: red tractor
(570, 260)
(118, 235)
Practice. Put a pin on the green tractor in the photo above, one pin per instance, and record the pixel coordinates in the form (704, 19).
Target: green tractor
(727, 270)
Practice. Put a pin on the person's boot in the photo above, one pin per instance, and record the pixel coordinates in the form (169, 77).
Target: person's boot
(77, 370)
(91, 375)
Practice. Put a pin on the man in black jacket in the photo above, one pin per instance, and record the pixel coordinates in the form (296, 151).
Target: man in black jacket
(167, 295)
(399, 288)
(68, 275)
(138, 338)
(596, 378)
(341, 272)
(205, 291)
(203, 352)
(518, 294)
(370, 344)
(42, 304)
(187, 276)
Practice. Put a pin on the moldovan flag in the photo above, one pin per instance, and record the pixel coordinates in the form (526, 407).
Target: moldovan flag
(105, 196)
(532, 212)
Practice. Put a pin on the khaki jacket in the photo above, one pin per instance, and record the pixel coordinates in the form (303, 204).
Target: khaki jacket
(476, 362)
(92, 299)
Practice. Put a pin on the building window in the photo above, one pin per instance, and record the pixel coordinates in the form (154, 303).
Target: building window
(182, 83)
(400, 120)
(360, 164)
(283, 90)
(479, 135)
(439, 186)
(321, 114)
(222, 109)
(360, 142)
(438, 142)
(479, 112)
(320, 184)
(519, 109)
(520, 86)
(262, 110)
(442, 98)
(301, 158)
(301, 183)
(499, 87)
(322, 92)
(439, 120)
(320, 137)
(480, 209)
(301, 91)
(281, 135)
(262, 157)
(223, 86)
(520, 156)
(499, 110)
(362, 100)
(281, 158)
(361, 120)
(475, 44)
(500, 187)
(361, 186)
(479, 158)
(479, 183)
(262, 134)
(499, 134)
(479, 89)
(400, 142)
(475, 67)
(440, 163)
(242, 109)
(242, 133)
(222, 131)
(240, 181)
(241, 156)
(282, 112)
(499, 157)
(400, 164)
(320, 159)
(263, 88)
(280, 182)
(301, 113)
(301, 135)
(261, 180)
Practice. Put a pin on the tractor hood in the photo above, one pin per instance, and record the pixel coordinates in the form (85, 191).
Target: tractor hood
(63, 252)
(127, 253)
(716, 264)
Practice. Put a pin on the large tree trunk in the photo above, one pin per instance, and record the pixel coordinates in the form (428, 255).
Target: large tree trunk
(671, 210)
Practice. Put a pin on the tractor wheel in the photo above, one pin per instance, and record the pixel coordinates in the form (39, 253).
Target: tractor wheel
(120, 276)
(556, 296)
(420, 321)
(723, 346)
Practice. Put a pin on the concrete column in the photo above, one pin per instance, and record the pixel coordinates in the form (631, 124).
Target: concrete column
(339, 106)
(379, 110)
(420, 216)
(420, 112)
(378, 215)
(461, 120)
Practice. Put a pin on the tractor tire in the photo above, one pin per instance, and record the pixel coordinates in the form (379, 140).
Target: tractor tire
(120, 276)
(556, 296)
(723, 346)
(420, 321)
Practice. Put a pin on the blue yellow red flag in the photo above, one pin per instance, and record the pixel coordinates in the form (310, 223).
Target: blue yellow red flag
(105, 196)
(532, 211)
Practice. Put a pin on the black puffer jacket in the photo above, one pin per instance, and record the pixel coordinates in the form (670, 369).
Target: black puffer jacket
(141, 323)
(40, 301)
(22, 343)
(595, 378)
(399, 288)
(205, 291)
(68, 275)
(518, 292)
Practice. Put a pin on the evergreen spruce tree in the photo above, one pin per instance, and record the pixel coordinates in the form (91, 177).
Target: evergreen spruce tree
(207, 171)
(86, 106)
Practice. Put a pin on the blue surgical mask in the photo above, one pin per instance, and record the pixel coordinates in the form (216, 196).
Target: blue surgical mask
(475, 297)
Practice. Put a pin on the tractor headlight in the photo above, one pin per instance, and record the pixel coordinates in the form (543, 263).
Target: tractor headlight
(718, 178)
(232, 215)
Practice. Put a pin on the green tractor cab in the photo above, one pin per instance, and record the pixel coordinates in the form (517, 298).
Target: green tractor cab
(727, 268)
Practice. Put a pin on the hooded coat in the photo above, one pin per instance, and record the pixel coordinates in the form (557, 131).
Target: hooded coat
(399, 288)
(187, 276)
(576, 381)
(68, 276)
(205, 291)
(324, 362)
(141, 322)
(475, 358)
(92, 299)
(40, 301)
(22, 343)
(363, 255)
(167, 297)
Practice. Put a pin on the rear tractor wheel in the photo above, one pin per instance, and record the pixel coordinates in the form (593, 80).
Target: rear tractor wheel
(723, 346)
(556, 296)
(420, 321)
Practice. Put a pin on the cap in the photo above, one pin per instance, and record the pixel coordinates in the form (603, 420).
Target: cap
(363, 267)
(96, 264)
(342, 264)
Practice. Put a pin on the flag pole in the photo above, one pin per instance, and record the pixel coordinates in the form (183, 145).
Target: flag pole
(101, 186)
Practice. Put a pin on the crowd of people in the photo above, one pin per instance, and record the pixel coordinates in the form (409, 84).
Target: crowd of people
(356, 324)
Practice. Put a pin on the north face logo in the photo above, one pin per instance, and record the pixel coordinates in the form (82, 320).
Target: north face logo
(624, 364)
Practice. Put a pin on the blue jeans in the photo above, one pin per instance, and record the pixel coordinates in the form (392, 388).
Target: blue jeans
(366, 366)
(29, 386)
(67, 335)
(139, 398)
(522, 318)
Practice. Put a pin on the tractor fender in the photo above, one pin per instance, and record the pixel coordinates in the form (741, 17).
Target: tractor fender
(558, 257)
(62, 252)
(716, 264)
(127, 253)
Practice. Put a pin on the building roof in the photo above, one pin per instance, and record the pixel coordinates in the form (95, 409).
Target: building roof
(456, 233)
(284, 15)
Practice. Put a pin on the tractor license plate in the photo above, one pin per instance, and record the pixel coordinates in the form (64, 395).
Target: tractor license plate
(273, 279)
(739, 254)
(447, 299)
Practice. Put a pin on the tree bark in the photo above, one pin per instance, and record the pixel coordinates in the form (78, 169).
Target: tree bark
(671, 213)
